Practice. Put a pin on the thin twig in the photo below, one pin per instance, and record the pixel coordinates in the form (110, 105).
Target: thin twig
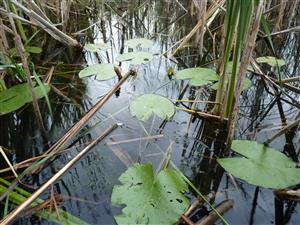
(8, 162)
(213, 217)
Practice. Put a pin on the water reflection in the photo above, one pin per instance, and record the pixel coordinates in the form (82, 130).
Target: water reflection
(197, 143)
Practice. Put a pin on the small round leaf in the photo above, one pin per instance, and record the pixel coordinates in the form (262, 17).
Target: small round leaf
(272, 61)
(197, 76)
(96, 47)
(143, 107)
(135, 58)
(139, 42)
(104, 71)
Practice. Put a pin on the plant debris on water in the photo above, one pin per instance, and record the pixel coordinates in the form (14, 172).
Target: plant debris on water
(149, 112)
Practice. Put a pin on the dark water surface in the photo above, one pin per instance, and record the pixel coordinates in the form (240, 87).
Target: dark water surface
(195, 143)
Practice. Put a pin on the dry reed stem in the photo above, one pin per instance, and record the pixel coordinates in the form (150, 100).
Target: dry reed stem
(201, 7)
(283, 130)
(213, 217)
(75, 128)
(120, 154)
(8, 162)
(3, 40)
(21, 52)
(201, 114)
(30, 161)
(187, 220)
(280, 14)
(47, 26)
(70, 133)
(210, 12)
(245, 61)
(12, 215)
(136, 139)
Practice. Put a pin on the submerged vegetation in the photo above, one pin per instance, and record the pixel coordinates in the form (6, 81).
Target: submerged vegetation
(201, 93)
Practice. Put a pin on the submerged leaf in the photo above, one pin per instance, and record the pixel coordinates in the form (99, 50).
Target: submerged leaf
(139, 42)
(272, 61)
(197, 76)
(262, 166)
(96, 47)
(15, 97)
(135, 58)
(247, 82)
(104, 71)
(143, 107)
(150, 199)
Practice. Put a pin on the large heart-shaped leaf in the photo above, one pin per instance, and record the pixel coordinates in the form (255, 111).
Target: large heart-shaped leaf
(261, 166)
(135, 58)
(272, 61)
(150, 199)
(104, 71)
(17, 96)
(139, 42)
(197, 76)
(96, 47)
(143, 107)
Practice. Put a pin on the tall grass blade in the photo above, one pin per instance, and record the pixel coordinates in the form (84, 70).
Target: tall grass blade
(43, 88)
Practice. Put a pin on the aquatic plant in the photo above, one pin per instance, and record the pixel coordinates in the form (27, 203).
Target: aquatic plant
(150, 198)
(261, 165)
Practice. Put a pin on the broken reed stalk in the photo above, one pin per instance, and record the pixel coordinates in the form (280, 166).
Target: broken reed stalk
(21, 52)
(14, 214)
(50, 153)
(201, 8)
(283, 131)
(47, 26)
(246, 58)
(8, 162)
(210, 12)
(74, 129)
(213, 217)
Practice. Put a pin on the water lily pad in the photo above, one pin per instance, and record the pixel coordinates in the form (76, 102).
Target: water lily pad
(135, 58)
(139, 42)
(150, 199)
(17, 96)
(143, 107)
(272, 61)
(197, 76)
(96, 47)
(261, 166)
(104, 71)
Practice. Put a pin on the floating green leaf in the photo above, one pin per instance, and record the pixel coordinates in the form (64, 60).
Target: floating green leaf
(33, 49)
(96, 47)
(15, 97)
(262, 166)
(104, 71)
(135, 58)
(28, 49)
(139, 42)
(197, 76)
(143, 107)
(272, 61)
(150, 199)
